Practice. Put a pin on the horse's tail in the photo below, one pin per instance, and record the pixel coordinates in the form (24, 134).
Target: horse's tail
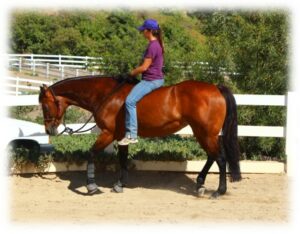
(230, 138)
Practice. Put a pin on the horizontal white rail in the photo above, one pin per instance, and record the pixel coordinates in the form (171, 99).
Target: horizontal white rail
(51, 56)
(260, 100)
(243, 130)
(29, 80)
(23, 100)
(248, 131)
(24, 84)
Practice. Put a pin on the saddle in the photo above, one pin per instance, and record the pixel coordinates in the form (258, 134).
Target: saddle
(127, 78)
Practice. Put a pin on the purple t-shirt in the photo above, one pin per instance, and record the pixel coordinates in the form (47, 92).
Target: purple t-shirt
(154, 51)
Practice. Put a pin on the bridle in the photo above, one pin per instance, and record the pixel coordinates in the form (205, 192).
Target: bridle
(68, 130)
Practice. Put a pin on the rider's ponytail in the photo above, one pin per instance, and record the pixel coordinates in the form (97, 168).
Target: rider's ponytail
(158, 34)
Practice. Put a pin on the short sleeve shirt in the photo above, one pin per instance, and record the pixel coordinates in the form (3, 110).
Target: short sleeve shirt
(154, 51)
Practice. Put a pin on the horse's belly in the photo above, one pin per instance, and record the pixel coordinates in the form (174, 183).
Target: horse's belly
(159, 129)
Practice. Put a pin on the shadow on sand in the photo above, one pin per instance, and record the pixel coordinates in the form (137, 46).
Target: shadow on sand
(173, 181)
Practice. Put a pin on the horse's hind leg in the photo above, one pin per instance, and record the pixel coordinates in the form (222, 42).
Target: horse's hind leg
(202, 176)
(213, 146)
(123, 180)
(221, 162)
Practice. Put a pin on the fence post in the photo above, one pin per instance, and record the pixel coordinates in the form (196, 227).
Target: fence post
(47, 70)
(77, 72)
(17, 86)
(86, 62)
(31, 61)
(20, 64)
(33, 72)
(59, 60)
(290, 136)
(62, 72)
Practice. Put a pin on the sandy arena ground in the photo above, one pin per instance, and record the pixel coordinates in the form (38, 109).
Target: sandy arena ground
(151, 197)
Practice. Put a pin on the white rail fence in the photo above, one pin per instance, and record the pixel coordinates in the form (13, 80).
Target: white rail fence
(62, 66)
(36, 60)
(57, 66)
(288, 100)
(15, 85)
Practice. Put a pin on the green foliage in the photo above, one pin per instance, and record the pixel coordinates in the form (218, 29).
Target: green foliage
(254, 148)
(110, 35)
(20, 156)
(253, 44)
(73, 114)
(72, 148)
(20, 111)
(76, 149)
(174, 148)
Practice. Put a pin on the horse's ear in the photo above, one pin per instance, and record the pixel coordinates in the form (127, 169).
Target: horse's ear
(43, 88)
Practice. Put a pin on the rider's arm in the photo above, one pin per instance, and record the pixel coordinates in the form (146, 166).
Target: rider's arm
(142, 68)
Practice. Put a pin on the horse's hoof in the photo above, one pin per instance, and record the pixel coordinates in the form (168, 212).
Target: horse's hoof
(215, 195)
(94, 192)
(200, 191)
(93, 189)
(117, 188)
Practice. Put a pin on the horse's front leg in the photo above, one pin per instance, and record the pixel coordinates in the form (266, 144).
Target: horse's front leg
(123, 180)
(103, 140)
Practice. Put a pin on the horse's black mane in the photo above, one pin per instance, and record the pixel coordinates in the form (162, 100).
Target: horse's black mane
(118, 78)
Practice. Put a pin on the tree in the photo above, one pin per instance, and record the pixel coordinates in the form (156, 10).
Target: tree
(253, 44)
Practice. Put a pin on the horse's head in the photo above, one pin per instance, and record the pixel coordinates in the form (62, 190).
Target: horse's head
(53, 109)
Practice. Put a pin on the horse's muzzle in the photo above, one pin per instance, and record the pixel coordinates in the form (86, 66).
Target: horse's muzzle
(52, 131)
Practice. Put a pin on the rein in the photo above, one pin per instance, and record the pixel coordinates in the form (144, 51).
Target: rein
(70, 131)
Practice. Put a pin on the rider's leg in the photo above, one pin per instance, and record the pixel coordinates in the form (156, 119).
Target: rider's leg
(136, 94)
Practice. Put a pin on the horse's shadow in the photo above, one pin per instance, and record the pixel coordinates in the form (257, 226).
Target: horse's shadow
(173, 181)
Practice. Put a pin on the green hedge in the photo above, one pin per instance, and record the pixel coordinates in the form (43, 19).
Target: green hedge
(75, 149)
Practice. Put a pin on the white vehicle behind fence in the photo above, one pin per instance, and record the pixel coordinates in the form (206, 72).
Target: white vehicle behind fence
(26, 134)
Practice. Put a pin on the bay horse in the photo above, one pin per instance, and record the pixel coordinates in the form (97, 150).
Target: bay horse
(207, 108)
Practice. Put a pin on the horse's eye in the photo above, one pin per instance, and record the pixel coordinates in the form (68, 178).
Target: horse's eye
(46, 108)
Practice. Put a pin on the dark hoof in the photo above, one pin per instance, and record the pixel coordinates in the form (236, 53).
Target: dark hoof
(94, 192)
(217, 194)
(118, 187)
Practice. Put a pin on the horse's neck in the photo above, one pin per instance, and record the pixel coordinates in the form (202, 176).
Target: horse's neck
(87, 93)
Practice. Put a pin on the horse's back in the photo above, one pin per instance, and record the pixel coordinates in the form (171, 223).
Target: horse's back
(186, 94)
(172, 107)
